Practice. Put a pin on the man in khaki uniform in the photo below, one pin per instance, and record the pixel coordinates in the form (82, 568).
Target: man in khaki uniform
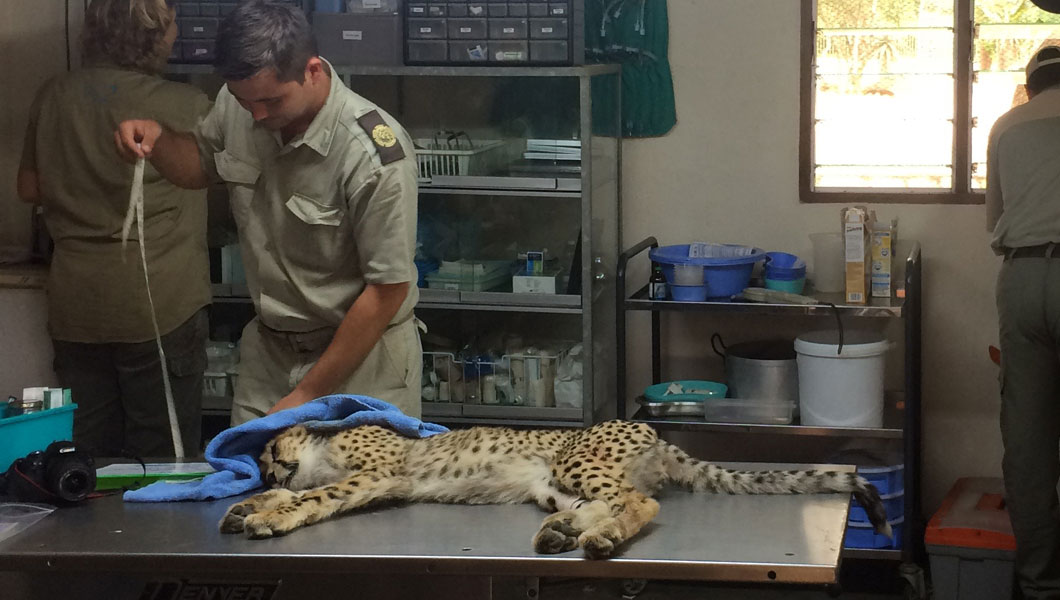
(323, 189)
(1023, 211)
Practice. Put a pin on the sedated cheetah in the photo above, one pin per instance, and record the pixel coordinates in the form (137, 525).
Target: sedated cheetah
(597, 482)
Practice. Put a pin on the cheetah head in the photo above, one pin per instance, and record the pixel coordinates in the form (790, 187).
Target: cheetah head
(295, 460)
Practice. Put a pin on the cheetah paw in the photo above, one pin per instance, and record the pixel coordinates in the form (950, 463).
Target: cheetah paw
(258, 527)
(597, 545)
(556, 537)
(233, 520)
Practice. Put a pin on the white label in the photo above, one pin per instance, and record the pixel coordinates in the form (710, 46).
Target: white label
(198, 29)
(509, 30)
(855, 242)
(426, 29)
(559, 11)
(352, 35)
(465, 30)
(418, 9)
(475, 10)
(199, 51)
(546, 30)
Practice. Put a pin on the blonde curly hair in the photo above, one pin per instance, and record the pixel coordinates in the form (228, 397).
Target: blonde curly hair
(127, 33)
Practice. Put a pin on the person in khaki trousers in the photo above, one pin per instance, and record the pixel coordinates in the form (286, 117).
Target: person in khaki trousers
(1023, 211)
(322, 185)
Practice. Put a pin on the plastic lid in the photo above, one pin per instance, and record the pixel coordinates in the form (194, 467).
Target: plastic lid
(973, 515)
(856, 344)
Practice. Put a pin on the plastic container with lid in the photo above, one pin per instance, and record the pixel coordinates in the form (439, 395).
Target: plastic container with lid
(970, 543)
(841, 389)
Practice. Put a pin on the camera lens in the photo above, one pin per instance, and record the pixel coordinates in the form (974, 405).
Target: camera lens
(70, 477)
(74, 485)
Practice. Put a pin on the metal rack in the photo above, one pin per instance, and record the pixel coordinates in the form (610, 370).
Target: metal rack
(902, 416)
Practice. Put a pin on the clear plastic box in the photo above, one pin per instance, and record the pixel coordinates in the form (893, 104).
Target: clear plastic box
(732, 410)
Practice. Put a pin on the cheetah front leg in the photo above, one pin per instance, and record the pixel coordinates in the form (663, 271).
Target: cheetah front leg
(233, 520)
(311, 506)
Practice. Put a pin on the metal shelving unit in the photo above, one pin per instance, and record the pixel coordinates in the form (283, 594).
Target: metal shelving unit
(902, 416)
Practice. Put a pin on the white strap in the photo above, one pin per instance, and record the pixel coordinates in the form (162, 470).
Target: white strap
(136, 208)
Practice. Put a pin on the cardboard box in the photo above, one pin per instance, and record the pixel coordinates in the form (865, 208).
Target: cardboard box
(883, 244)
(857, 223)
(544, 283)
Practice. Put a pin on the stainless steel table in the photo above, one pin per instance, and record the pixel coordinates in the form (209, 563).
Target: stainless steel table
(793, 539)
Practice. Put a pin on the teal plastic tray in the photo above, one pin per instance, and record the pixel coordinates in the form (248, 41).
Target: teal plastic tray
(706, 389)
(23, 434)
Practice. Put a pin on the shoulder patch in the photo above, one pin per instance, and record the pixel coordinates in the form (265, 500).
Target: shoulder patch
(386, 143)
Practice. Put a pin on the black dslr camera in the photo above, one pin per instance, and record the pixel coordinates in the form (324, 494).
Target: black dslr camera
(61, 474)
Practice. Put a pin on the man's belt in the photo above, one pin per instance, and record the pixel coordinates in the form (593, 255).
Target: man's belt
(1050, 250)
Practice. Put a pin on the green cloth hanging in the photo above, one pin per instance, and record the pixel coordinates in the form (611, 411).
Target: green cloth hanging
(635, 34)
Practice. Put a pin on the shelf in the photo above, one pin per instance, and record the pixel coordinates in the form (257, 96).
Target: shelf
(518, 193)
(439, 71)
(500, 414)
(500, 301)
(872, 553)
(877, 307)
(892, 418)
(561, 304)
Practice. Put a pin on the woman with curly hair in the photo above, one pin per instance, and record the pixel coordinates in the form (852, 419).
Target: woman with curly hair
(98, 313)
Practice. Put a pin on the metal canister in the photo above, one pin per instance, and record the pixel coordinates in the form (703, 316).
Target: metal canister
(25, 407)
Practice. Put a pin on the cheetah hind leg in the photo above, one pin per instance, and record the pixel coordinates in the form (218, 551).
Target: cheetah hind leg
(560, 531)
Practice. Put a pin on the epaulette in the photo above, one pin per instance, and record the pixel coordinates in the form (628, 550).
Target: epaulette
(386, 143)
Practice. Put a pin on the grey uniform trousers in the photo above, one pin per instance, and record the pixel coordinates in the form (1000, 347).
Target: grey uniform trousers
(1028, 305)
(271, 363)
(120, 398)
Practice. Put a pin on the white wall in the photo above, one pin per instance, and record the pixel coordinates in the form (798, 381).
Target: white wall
(728, 172)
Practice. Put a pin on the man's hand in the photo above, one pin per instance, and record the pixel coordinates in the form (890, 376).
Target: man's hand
(295, 398)
(136, 139)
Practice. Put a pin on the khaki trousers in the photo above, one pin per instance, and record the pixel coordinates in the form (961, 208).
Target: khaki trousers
(271, 363)
(1028, 306)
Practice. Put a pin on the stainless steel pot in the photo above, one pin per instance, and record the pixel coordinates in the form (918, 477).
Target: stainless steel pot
(760, 370)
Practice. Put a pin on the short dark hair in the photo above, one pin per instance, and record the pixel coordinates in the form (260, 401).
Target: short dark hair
(262, 34)
(1045, 76)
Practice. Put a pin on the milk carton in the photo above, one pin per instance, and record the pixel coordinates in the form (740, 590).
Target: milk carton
(883, 244)
(857, 223)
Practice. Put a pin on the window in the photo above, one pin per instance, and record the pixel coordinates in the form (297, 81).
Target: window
(898, 96)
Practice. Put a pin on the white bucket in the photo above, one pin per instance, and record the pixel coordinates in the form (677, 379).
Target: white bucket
(841, 390)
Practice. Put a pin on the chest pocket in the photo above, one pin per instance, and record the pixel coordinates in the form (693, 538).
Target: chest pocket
(312, 212)
(241, 178)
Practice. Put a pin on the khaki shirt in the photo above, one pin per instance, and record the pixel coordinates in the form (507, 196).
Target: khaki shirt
(96, 293)
(319, 217)
(1023, 174)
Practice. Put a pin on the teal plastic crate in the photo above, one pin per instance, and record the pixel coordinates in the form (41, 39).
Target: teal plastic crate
(23, 434)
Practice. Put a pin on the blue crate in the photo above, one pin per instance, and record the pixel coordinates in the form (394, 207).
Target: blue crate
(23, 434)
(861, 535)
(894, 504)
(888, 480)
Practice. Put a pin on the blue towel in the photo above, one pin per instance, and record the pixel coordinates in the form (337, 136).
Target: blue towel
(235, 451)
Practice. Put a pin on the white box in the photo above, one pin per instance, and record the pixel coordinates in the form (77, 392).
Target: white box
(535, 284)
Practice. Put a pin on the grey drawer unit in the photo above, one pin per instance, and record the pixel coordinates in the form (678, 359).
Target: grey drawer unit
(499, 30)
(427, 29)
(549, 51)
(427, 51)
(359, 38)
(197, 51)
(508, 29)
(199, 28)
(548, 29)
(467, 29)
(198, 22)
(469, 51)
(509, 51)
